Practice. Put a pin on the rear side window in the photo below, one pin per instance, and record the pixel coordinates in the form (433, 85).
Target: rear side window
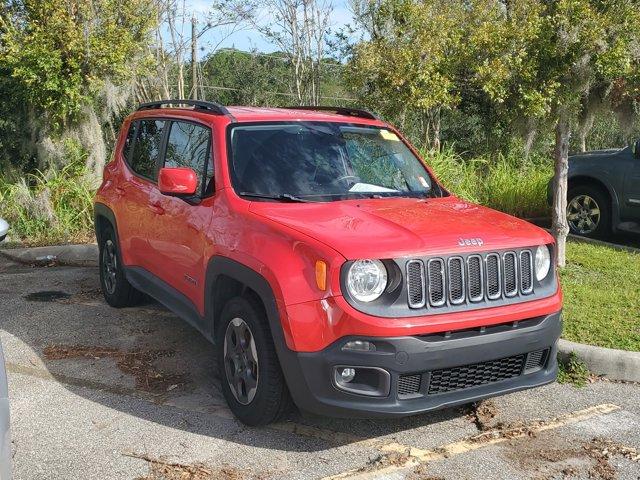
(147, 148)
(128, 142)
(189, 145)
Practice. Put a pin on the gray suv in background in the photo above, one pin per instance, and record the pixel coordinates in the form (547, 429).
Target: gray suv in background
(5, 439)
(604, 192)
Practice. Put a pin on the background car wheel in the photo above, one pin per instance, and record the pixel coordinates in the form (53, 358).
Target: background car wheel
(250, 373)
(588, 211)
(117, 290)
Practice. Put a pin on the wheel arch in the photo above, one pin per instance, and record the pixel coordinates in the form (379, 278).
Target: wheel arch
(103, 217)
(227, 278)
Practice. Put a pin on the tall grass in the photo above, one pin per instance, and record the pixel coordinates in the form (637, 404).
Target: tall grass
(512, 184)
(52, 206)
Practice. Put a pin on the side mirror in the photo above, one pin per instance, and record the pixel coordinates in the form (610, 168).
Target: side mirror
(636, 149)
(177, 182)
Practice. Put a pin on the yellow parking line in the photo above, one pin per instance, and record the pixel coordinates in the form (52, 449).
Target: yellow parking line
(415, 456)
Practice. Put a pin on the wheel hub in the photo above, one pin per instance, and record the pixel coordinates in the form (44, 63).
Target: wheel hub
(109, 266)
(583, 214)
(241, 361)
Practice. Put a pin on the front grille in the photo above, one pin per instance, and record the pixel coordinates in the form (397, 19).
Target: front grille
(409, 385)
(435, 269)
(467, 376)
(535, 361)
(455, 280)
(415, 284)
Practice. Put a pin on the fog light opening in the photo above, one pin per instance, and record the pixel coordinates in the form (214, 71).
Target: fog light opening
(370, 381)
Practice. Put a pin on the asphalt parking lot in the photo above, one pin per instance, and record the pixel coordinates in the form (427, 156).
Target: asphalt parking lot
(98, 393)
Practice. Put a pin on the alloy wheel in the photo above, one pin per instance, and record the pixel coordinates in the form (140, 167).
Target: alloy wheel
(109, 266)
(583, 214)
(241, 361)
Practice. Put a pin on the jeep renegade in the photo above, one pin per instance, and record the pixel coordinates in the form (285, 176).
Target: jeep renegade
(323, 259)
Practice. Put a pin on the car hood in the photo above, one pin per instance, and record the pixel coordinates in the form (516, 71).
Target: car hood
(398, 227)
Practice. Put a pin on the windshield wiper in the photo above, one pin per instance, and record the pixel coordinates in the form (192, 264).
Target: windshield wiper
(284, 197)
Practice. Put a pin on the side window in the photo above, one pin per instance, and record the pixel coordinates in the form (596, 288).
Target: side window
(147, 147)
(189, 145)
(128, 142)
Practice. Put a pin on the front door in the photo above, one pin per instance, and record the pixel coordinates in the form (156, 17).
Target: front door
(177, 239)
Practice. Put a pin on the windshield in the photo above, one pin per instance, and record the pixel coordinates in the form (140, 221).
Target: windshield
(320, 161)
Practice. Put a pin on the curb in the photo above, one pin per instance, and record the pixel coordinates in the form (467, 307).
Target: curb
(85, 255)
(613, 364)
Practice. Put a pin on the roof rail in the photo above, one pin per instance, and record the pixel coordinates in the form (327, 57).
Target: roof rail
(350, 112)
(212, 107)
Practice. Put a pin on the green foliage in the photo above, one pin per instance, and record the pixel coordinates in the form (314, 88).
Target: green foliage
(59, 52)
(602, 298)
(49, 207)
(573, 370)
(510, 184)
(234, 77)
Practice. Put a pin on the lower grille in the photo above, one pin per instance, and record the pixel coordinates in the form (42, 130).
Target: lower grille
(409, 385)
(468, 376)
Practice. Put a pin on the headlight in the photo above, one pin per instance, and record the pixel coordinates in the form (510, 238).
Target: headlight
(543, 262)
(366, 280)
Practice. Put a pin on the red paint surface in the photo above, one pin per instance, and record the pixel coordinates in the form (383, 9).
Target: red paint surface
(282, 241)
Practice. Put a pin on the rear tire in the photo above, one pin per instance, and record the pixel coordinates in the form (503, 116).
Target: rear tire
(251, 378)
(588, 212)
(117, 290)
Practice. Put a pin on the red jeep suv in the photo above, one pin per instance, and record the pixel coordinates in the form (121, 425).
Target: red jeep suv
(323, 259)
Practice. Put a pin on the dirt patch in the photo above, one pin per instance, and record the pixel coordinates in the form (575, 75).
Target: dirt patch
(483, 413)
(163, 470)
(397, 459)
(86, 295)
(421, 473)
(601, 450)
(138, 363)
(549, 457)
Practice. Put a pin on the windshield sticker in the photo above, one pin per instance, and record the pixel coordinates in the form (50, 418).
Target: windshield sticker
(387, 135)
(423, 182)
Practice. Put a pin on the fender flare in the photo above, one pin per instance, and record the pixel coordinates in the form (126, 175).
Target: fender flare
(220, 265)
(101, 210)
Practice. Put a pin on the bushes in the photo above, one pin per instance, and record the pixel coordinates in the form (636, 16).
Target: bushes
(511, 184)
(53, 206)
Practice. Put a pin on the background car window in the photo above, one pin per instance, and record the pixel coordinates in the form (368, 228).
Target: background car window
(189, 146)
(147, 148)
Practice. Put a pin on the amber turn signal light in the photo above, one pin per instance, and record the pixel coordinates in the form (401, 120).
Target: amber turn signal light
(321, 275)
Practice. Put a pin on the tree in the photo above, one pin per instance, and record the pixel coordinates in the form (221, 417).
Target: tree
(177, 34)
(550, 57)
(299, 29)
(411, 62)
(59, 53)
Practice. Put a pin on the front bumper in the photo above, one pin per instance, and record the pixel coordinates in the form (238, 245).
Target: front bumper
(310, 375)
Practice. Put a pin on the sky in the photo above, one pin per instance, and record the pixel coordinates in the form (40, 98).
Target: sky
(250, 39)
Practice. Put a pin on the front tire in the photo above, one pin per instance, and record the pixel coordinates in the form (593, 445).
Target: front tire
(588, 212)
(117, 290)
(251, 378)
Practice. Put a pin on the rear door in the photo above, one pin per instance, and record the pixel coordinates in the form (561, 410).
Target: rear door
(178, 238)
(135, 212)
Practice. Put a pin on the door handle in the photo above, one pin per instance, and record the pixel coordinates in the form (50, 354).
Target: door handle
(156, 208)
